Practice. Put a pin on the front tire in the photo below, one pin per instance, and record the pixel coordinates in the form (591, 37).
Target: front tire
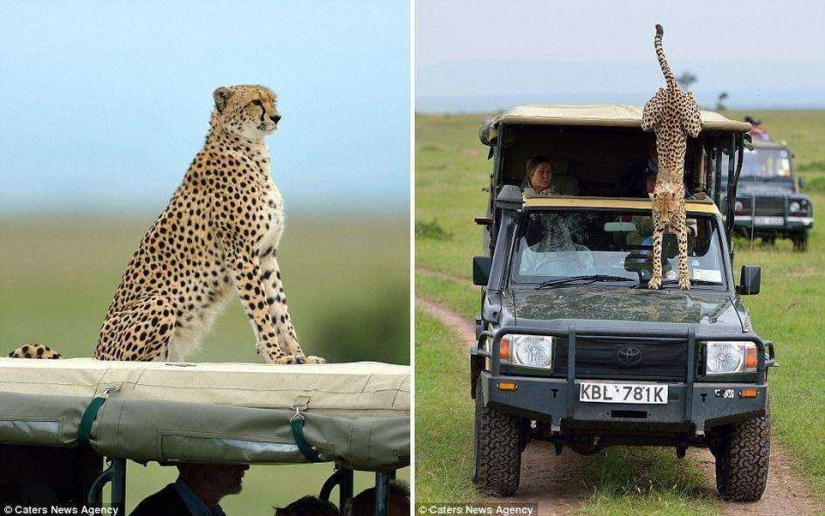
(496, 450)
(800, 241)
(742, 460)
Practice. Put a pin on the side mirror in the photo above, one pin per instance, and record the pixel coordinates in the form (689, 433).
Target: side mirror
(481, 270)
(750, 280)
(509, 198)
(801, 183)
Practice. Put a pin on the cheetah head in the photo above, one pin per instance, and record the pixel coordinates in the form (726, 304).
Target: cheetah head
(667, 203)
(246, 111)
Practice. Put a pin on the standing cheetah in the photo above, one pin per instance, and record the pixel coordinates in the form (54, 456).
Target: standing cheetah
(218, 235)
(673, 116)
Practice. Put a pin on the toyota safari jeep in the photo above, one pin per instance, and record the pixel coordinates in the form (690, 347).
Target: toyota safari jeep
(769, 204)
(573, 348)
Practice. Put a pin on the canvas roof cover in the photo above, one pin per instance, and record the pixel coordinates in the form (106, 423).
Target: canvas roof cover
(358, 414)
(607, 115)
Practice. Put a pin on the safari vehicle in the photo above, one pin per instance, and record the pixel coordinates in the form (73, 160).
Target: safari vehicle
(59, 418)
(769, 203)
(573, 348)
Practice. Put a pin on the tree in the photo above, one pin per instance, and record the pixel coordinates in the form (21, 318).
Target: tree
(686, 80)
(721, 100)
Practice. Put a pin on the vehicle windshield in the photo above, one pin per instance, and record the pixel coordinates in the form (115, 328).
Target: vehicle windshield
(615, 246)
(764, 164)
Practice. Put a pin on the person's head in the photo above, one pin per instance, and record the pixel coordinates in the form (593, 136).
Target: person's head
(650, 182)
(398, 504)
(211, 482)
(308, 506)
(539, 173)
(556, 231)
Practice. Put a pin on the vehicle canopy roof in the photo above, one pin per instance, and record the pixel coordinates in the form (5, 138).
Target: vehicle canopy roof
(597, 150)
(769, 144)
(356, 414)
(604, 115)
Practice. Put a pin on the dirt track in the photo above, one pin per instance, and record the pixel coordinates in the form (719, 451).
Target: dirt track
(557, 486)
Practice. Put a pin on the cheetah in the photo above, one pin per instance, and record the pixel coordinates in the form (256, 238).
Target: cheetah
(673, 116)
(218, 235)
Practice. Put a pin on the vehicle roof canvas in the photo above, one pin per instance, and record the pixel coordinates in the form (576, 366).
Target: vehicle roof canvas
(357, 413)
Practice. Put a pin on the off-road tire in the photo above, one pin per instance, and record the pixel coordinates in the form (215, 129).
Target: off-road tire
(800, 241)
(742, 460)
(496, 450)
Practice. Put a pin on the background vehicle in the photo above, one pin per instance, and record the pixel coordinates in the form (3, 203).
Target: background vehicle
(572, 347)
(769, 203)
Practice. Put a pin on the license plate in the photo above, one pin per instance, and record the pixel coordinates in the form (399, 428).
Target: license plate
(642, 394)
(768, 221)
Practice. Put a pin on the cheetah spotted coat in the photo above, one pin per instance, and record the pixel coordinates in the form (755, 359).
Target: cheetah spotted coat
(673, 116)
(218, 236)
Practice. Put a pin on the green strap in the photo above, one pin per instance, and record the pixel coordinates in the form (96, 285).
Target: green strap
(306, 449)
(84, 434)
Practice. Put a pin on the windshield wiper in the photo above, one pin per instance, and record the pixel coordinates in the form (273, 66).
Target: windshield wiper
(692, 282)
(589, 279)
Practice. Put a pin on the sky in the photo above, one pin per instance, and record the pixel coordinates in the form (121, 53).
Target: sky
(763, 53)
(103, 105)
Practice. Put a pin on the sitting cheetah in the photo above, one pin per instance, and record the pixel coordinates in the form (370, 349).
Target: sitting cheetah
(673, 115)
(218, 235)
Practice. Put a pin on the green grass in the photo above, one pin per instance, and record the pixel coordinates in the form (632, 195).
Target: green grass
(645, 481)
(442, 422)
(348, 288)
(451, 170)
(343, 280)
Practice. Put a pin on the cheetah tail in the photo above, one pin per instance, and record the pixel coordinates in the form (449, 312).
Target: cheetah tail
(35, 351)
(660, 53)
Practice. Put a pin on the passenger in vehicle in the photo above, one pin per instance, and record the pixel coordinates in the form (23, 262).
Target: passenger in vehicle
(197, 491)
(555, 253)
(308, 506)
(758, 132)
(630, 185)
(398, 504)
(539, 181)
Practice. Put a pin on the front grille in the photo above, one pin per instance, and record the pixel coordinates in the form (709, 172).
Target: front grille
(624, 359)
(763, 206)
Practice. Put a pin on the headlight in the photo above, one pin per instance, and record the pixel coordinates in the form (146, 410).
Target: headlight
(794, 206)
(527, 350)
(737, 206)
(730, 357)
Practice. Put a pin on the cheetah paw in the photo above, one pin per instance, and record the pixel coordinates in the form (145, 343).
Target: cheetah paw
(654, 283)
(314, 360)
(287, 360)
(684, 284)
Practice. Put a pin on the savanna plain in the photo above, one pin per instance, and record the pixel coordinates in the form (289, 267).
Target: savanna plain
(345, 276)
(451, 170)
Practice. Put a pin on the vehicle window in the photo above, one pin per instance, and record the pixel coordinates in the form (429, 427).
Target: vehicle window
(763, 164)
(568, 243)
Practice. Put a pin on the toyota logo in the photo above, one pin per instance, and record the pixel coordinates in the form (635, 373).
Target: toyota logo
(629, 356)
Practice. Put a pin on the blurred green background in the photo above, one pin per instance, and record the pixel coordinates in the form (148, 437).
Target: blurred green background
(346, 275)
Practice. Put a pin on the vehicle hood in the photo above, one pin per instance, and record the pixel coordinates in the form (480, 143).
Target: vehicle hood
(776, 188)
(712, 310)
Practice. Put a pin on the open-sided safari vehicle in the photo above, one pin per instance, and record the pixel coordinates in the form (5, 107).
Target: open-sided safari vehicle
(769, 202)
(59, 418)
(572, 346)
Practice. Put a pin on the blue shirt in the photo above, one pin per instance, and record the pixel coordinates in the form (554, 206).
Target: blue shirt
(194, 503)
